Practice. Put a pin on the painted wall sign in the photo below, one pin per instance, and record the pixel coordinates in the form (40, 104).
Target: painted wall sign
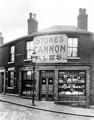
(51, 48)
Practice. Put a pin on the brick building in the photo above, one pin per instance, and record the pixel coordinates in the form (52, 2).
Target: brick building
(64, 69)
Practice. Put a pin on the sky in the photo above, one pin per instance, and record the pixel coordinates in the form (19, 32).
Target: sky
(14, 15)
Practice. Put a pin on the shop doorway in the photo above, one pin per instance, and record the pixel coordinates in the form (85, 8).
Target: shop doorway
(1, 82)
(47, 85)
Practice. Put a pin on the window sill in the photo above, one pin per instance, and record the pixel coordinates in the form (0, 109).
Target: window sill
(10, 87)
(27, 60)
(77, 58)
(10, 62)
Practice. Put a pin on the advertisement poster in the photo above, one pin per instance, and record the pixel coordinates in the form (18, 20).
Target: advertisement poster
(51, 48)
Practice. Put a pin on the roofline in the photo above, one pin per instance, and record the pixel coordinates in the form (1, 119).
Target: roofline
(18, 39)
(45, 33)
(59, 32)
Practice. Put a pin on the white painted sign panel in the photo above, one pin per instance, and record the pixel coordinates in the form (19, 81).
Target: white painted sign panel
(51, 48)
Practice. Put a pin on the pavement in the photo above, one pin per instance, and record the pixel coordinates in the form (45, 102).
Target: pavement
(47, 106)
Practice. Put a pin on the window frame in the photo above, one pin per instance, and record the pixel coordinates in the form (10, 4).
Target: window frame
(29, 50)
(73, 47)
(11, 77)
(12, 54)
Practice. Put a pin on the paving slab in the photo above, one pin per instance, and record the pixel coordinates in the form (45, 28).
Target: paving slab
(48, 106)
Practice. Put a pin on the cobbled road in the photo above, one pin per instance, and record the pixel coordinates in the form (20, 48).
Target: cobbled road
(14, 112)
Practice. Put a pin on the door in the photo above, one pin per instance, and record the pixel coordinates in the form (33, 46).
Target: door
(47, 89)
(1, 82)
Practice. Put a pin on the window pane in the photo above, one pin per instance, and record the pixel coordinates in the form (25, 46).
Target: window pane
(74, 51)
(69, 51)
(72, 76)
(12, 49)
(29, 45)
(28, 75)
(12, 57)
(72, 46)
(10, 78)
(75, 42)
(11, 74)
(69, 42)
(11, 83)
(29, 53)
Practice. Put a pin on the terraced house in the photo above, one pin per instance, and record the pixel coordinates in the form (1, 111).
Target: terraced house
(64, 68)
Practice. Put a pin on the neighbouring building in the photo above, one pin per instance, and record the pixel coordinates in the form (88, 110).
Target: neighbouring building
(64, 69)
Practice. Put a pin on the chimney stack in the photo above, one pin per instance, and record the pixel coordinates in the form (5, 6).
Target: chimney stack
(1, 39)
(82, 19)
(32, 24)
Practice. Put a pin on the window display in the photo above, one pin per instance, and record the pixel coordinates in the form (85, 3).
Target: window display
(71, 83)
(27, 83)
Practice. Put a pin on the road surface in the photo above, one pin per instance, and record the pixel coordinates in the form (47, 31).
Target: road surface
(13, 112)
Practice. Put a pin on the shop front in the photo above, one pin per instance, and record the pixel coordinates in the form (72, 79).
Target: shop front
(58, 83)
(73, 85)
(65, 84)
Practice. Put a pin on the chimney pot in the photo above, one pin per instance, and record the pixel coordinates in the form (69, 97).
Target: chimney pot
(1, 39)
(34, 16)
(30, 15)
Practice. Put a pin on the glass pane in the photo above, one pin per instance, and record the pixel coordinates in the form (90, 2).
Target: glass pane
(24, 75)
(11, 74)
(28, 75)
(44, 81)
(12, 57)
(11, 83)
(29, 53)
(12, 49)
(50, 81)
(29, 45)
(69, 42)
(69, 51)
(74, 51)
(75, 42)
(74, 85)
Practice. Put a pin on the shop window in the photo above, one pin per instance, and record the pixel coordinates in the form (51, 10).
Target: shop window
(29, 49)
(11, 79)
(71, 85)
(27, 83)
(27, 75)
(12, 54)
(72, 47)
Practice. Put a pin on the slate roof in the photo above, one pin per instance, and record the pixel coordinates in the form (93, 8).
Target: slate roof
(60, 28)
(56, 29)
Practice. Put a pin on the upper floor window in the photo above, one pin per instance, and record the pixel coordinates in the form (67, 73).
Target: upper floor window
(12, 53)
(72, 47)
(29, 49)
